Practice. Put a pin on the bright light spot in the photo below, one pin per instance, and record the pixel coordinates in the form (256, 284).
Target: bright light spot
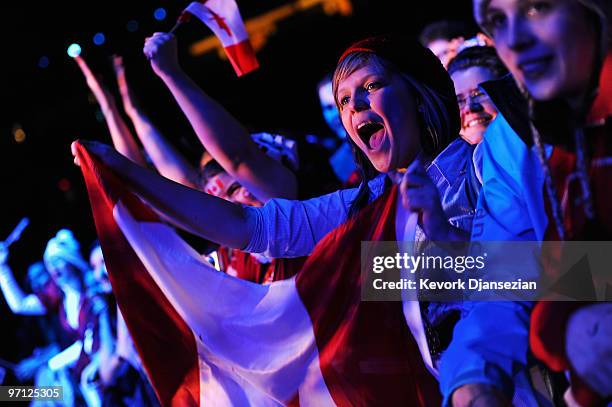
(159, 14)
(19, 135)
(43, 62)
(74, 50)
(99, 39)
(132, 26)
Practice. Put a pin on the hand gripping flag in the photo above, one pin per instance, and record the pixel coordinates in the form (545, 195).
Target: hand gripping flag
(206, 338)
(223, 18)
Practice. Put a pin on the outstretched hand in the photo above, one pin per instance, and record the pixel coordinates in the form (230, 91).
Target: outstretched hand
(104, 152)
(101, 93)
(160, 49)
(122, 84)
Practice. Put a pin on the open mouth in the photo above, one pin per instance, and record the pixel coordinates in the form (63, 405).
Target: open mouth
(479, 121)
(370, 134)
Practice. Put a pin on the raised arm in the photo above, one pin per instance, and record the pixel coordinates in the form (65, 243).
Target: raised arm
(221, 134)
(198, 212)
(18, 301)
(168, 161)
(66, 357)
(104, 362)
(109, 363)
(122, 137)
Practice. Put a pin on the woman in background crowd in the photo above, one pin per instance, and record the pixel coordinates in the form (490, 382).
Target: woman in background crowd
(551, 181)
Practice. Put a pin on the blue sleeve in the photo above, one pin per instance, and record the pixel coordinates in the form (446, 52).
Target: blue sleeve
(491, 341)
(489, 346)
(286, 228)
(501, 210)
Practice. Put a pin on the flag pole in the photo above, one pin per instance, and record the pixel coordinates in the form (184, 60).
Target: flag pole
(183, 18)
(175, 27)
(16, 233)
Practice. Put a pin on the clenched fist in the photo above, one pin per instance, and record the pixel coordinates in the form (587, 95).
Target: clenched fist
(160, 49)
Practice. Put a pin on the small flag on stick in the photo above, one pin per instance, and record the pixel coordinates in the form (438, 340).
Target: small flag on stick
(223, 18)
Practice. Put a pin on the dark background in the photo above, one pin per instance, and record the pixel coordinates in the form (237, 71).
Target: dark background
(53, 105)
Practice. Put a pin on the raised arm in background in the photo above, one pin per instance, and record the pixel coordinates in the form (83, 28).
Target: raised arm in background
(222, 135)
(169, 162)
(122, 137)
(107, 348)
(18, 301)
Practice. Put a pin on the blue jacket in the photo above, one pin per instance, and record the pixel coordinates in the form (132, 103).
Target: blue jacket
(490, 341)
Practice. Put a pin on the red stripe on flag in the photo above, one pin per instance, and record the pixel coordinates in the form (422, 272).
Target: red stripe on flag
(164, 341)
(242, 57)
(367, 353)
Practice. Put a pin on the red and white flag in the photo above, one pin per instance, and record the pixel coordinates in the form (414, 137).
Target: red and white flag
(223, 18)
(206, 338)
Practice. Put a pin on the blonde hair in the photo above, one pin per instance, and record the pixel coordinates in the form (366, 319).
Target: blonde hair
(435, 132)
(432, 111)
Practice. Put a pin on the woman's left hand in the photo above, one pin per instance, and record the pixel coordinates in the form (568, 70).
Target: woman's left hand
(161, 50)
(107, 154)
(419, 194)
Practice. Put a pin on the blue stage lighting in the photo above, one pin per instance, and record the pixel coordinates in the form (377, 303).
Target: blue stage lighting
(159, 14)
(99, 39)
(43, 62)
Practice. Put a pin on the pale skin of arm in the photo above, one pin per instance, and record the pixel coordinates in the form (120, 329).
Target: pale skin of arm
(220, 133)
(202, 214)
(122, 137)
(107, 348)
(479, 395)
(123, 349)
(103, 361)
(167, 160)
(18, 301)
(67, 356)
